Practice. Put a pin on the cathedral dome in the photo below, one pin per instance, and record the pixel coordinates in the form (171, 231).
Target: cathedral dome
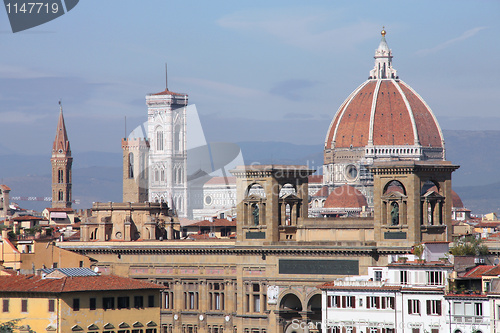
(345, 197)
(384, 113)
(385, 117)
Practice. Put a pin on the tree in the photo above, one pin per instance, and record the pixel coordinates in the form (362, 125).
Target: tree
(10, 326)
(469, 246)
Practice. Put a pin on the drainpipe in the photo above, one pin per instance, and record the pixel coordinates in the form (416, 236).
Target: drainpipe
(395, 314)
(449, 312)
(402, 312)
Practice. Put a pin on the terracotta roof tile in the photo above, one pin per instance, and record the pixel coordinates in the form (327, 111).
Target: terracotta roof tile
(215, 223)
(5, 187)
(168, 92)
(477, 272)
(323, 192)
(32, 283)
(67, 210)
(221, 181)
(315, 179)
(345, 197)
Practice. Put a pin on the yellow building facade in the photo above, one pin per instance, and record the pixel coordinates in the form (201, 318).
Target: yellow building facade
(80, 304)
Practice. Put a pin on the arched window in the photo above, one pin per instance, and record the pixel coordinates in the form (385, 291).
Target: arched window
(60, 176)
(159, 138)
(61, 195)
(131, 165)
(156, 175)
(162, 175)
(177, 138)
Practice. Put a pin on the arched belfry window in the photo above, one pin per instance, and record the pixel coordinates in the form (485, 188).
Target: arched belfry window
(177, 138)
(60, 176)
(394, 204)
(61, 196)
(131, 165)
(159, 138)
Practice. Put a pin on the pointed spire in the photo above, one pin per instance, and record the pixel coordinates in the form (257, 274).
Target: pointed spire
(61, 142)
(166, 77)
(383, 61)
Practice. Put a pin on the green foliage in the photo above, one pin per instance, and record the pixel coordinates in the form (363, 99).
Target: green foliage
(418, 250)
(11, 326)
(8, 326)
(469, 246)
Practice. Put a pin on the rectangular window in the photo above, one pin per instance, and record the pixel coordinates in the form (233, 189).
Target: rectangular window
(108, 303)
(413, 306)
(216, 295)
(123, 302)
(478, 309)
(93, 303)
(348, 301)
(378, 275)
(191, 300)
(76, 304)
(434, 278)
(403, 277)
(5, 305)
(151, 301)
(373, 302)
(168, 295)
(256, 303)
(24, 305)
(415, 330)
(138, 302)
(387, 302)
(433, 307)
(52, 305)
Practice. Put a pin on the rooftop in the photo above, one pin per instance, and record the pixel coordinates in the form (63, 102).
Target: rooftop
(37, 284)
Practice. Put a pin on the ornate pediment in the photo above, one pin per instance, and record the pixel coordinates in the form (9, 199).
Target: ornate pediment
(432, 195)
(394, 196)
(254, 198)
(290, 197)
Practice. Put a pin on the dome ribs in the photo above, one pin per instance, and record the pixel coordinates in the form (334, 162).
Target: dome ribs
(392, 124)
(354, 125)
(429, 133)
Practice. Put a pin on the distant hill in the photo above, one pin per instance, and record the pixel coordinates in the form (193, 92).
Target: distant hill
(97, 176)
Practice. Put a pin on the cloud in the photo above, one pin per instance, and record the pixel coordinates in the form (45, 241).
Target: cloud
(223, 88)
(291, 89)
(466, 35)
(302, 30)
(294, 115)
(16, 72)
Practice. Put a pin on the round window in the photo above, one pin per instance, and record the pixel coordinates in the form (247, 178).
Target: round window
(208, 200)
(351, 172)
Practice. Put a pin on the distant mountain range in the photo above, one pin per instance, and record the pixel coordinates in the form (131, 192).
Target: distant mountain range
(97, 176)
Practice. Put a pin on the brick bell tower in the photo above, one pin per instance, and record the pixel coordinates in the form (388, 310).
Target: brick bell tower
(61, 166)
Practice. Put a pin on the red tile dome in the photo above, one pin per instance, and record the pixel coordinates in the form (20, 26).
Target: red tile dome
(345, 197)
(387, 117)
(384, 112)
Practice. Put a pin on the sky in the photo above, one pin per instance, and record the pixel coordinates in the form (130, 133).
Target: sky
(256, 70)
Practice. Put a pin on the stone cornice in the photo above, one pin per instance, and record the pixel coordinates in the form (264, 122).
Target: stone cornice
(293, 250)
